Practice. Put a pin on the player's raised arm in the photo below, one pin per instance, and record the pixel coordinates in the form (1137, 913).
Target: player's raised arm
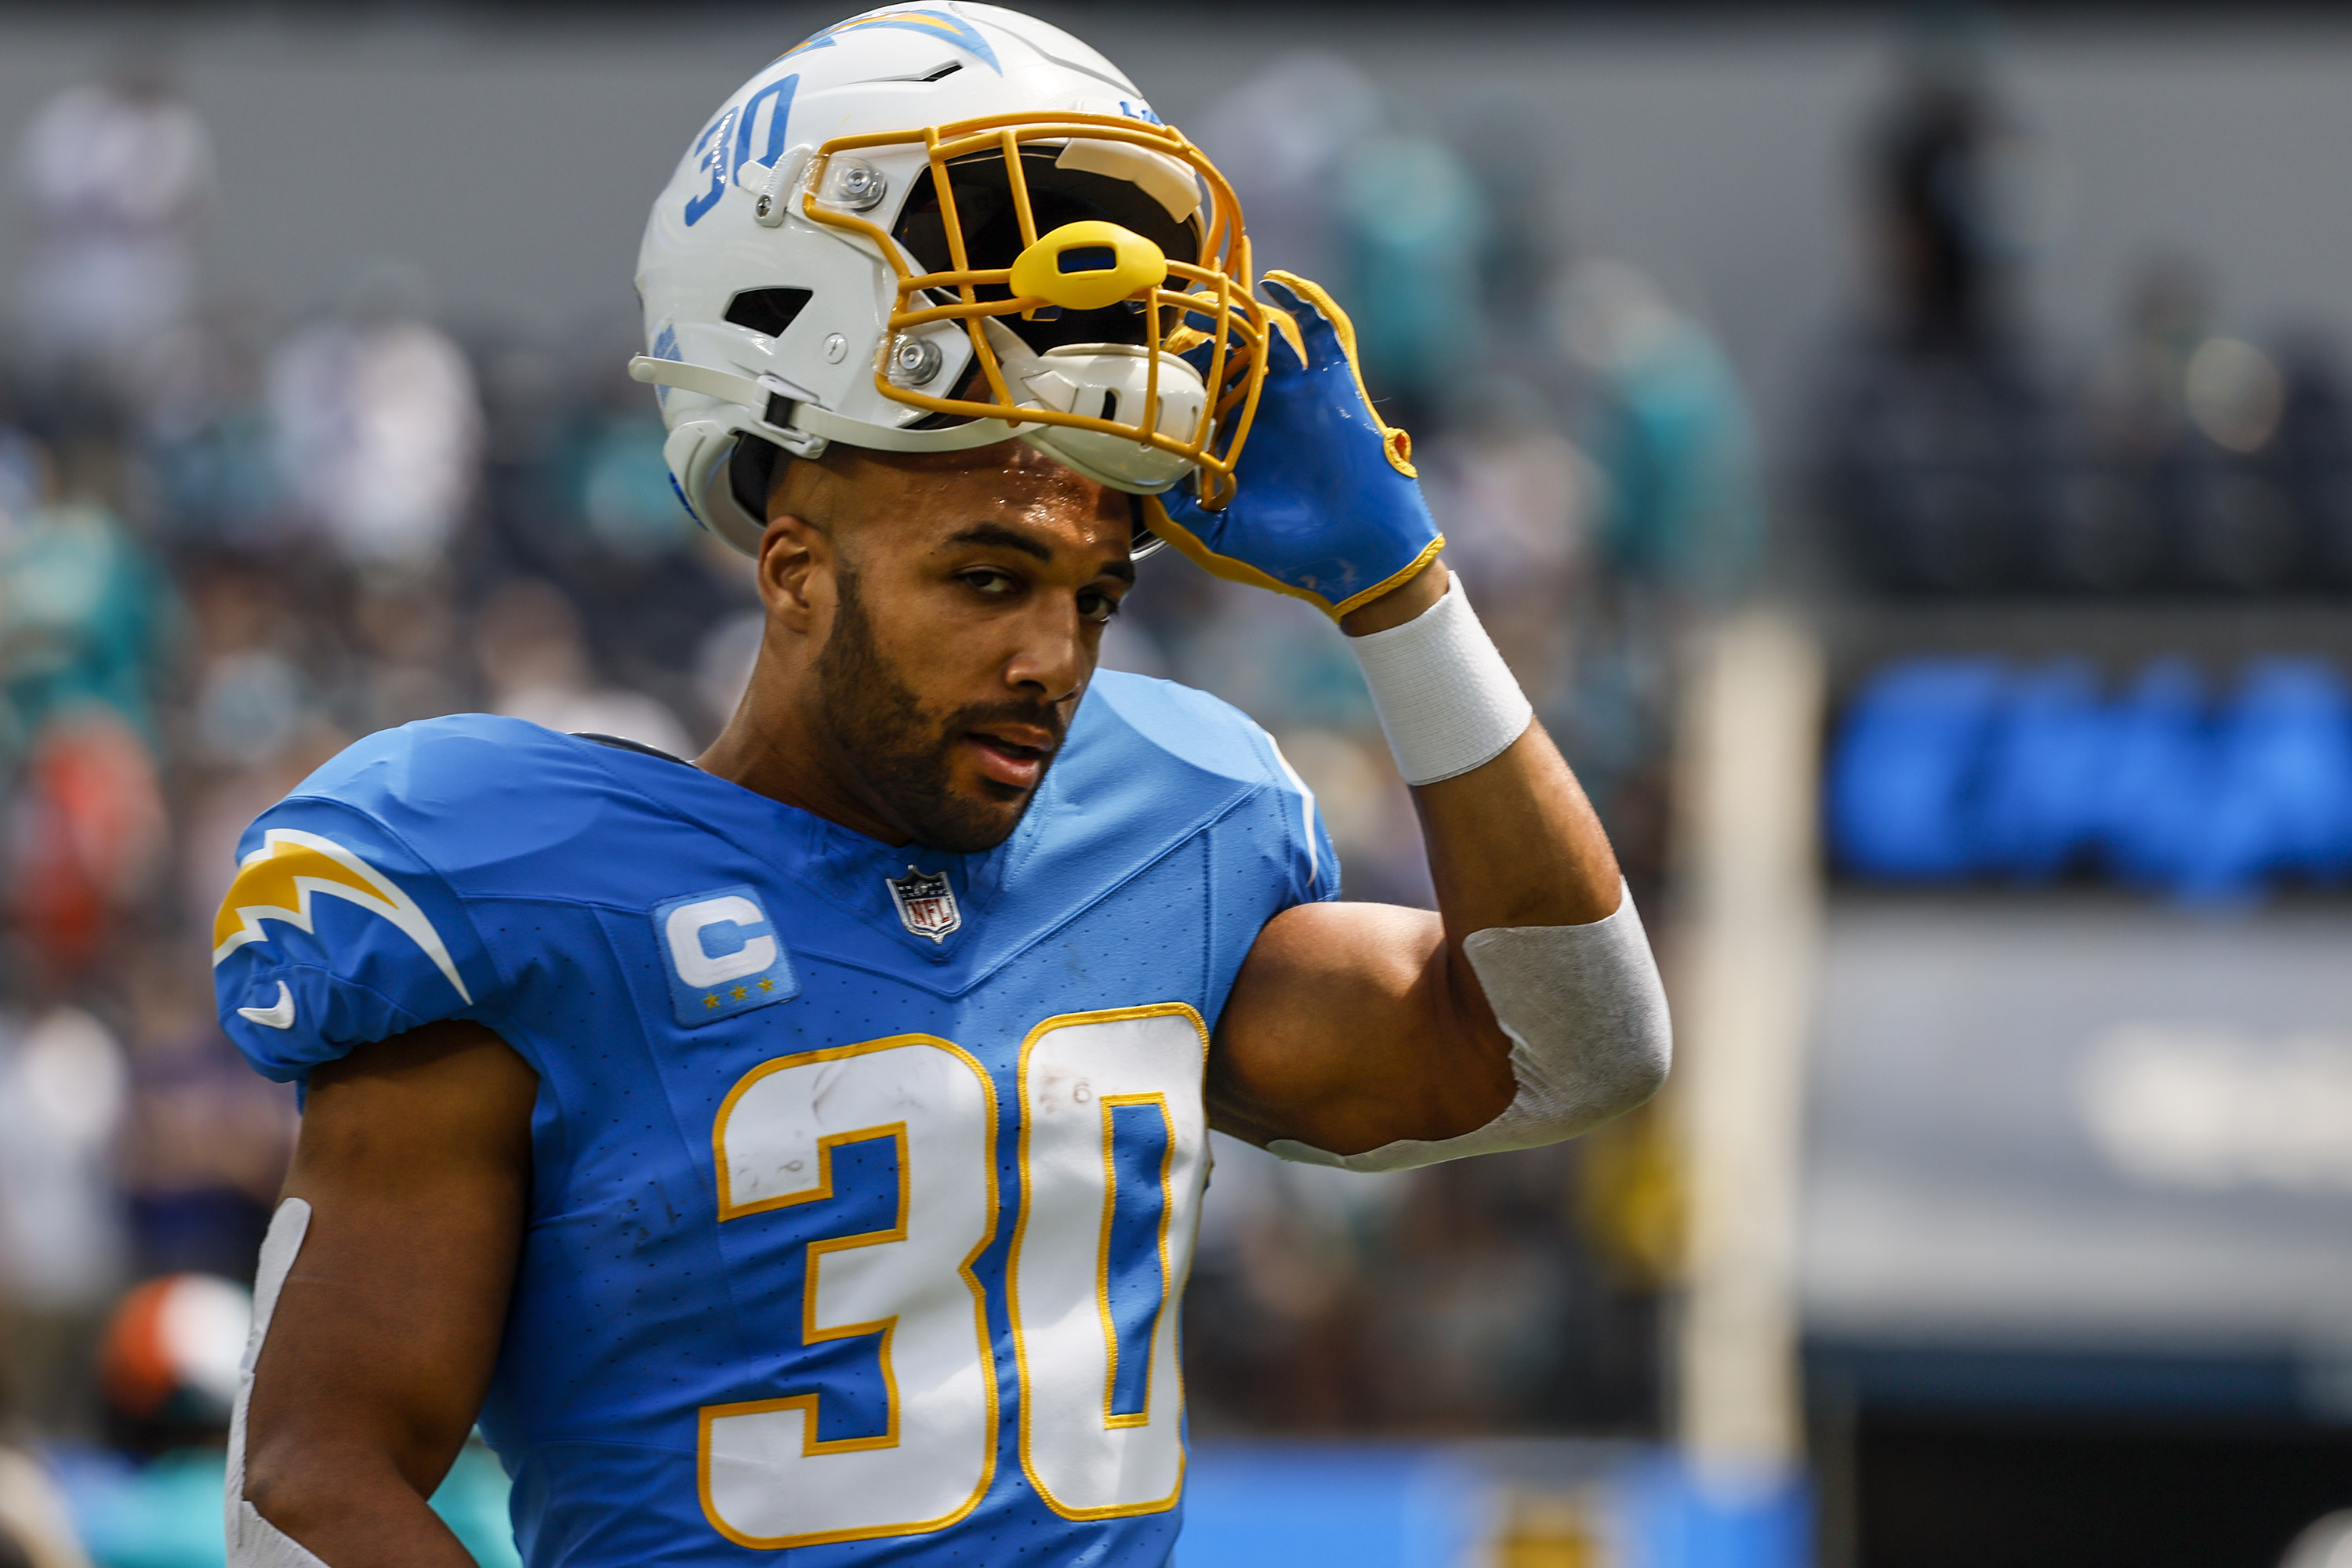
(1528, 1009)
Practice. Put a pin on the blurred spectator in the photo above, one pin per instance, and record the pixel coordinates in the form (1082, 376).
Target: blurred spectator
(83, 611)
(1670, 433)
(2183, 421)
(1415, 229)
(2314, 453)
(205, 1141)
(60, 1232)
(537, 668)
(379, 428)
(1281, 137)
(168, 1365)
(86, 840)
(1939, 456)
(116, 175)
(210, 448)
(62, 1084)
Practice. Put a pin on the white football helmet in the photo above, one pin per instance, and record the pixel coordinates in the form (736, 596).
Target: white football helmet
(933, 229)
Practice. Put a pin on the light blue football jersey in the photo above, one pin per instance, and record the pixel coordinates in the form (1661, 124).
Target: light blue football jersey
(865, 1180)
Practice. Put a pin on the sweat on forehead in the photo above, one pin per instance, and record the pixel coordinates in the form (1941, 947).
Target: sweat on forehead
(850, 485)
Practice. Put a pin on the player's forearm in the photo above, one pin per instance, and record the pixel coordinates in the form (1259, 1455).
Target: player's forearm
(344, 1506)
(1513, 841)
(378, 1302)
(1541, 964)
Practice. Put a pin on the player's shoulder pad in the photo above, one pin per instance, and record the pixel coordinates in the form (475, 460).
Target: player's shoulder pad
(1184, 731)
(1189, 726)
(346, 921)
(469, 790)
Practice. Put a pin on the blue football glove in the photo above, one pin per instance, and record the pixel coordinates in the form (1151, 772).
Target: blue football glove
(1327, 507)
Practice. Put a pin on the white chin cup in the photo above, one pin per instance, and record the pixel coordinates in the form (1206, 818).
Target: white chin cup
(1110, 381)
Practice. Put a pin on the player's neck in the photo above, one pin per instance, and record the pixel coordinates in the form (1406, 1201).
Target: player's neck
(784, 752)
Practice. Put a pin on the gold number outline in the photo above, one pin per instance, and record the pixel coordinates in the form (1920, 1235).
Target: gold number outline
(1111, 1102)
(1173, 1287)
(807, 1402)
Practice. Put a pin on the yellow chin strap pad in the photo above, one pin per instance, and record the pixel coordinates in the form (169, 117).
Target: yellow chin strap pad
(1088, 265)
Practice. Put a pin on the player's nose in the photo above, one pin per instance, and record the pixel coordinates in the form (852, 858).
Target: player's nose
(1052, 659)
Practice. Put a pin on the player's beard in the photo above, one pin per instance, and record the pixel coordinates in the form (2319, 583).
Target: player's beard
(904, 752)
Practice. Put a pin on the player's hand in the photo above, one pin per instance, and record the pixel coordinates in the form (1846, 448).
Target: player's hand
(1327, 506)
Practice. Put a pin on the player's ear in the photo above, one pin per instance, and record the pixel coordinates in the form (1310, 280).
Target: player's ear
(792, 553)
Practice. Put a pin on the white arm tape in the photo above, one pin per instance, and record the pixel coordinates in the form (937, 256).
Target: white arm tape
(1447, 702)
(253, 1541)
(1589, 1038)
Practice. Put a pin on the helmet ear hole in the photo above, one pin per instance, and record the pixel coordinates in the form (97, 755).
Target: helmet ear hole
(751, 470)
(768, 311)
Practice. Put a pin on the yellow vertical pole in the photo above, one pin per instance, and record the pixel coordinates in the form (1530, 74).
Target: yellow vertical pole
(1744, 966)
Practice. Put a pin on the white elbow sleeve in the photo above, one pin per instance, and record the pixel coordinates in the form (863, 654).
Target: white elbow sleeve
(1589, 1038)
(253, 1541)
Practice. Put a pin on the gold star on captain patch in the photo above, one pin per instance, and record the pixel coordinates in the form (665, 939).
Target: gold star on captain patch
(711, 1001)
(741, 993)
(767, 986)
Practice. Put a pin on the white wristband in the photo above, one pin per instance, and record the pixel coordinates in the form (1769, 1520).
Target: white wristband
(1447, 702)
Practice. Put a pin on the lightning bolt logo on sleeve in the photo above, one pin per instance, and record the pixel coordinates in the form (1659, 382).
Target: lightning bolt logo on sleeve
(278, 881)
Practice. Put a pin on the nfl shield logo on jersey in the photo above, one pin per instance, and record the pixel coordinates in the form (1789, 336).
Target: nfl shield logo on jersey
(926, 903)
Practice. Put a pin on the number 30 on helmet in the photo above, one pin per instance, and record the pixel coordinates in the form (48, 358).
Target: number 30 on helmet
(934, 229)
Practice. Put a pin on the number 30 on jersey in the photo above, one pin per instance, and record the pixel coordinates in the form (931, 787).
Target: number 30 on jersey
(1112, 1160)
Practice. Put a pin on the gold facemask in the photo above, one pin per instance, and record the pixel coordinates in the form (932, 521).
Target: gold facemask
(1085, 266)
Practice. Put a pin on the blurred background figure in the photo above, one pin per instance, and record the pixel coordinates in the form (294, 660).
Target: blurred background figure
(62, 1241)
(1938, 450)
(1669, 432)
(116, 176)
(1281, 137)
(149, 1494)
(535, 667)
(379, 427)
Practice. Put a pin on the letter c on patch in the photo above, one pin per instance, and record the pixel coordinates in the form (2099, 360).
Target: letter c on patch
(684, 929)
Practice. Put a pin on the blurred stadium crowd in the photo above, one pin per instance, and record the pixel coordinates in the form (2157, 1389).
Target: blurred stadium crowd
(1958, 453)
(232, 540)
(232, 543)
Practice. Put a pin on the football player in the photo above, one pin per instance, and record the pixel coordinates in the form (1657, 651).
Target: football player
(800, 1148)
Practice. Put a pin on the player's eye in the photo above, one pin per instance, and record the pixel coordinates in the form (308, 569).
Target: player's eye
(996, 585)
(1097, 606)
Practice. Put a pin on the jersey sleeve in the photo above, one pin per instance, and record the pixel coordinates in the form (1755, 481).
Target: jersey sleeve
(1313, 863)
(336, 932)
